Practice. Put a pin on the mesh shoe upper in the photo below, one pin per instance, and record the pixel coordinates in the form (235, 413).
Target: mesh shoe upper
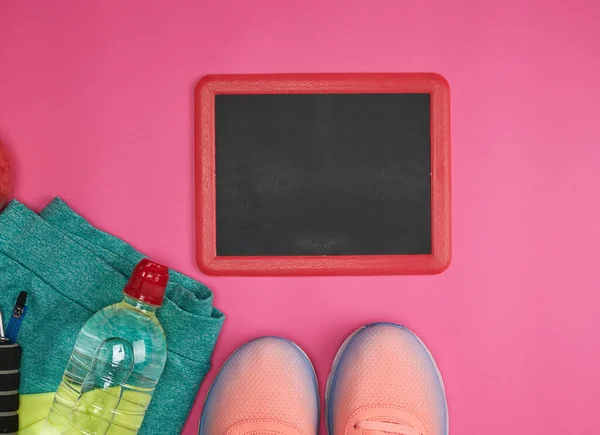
(385, 373)
(268, 380)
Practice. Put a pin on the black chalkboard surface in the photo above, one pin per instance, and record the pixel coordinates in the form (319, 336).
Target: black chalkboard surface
(323, 174)
(315, 174)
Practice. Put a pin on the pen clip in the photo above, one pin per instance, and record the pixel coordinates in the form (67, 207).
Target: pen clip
(14, 324)
(1, 326)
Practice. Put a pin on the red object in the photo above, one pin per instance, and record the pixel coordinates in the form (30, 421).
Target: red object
(148, 282)
(206, 250)
(5, 174)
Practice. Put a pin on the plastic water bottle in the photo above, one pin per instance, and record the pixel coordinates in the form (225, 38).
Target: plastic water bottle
(118, 358)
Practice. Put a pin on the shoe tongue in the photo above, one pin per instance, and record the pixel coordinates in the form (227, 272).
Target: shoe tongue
(264, 427)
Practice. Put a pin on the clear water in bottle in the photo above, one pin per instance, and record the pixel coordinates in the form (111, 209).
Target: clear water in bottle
(118, 358)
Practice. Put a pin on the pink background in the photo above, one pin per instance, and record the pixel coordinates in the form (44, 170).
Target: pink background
(96, 106)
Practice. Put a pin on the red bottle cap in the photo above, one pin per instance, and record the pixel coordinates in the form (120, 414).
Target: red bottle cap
(148, 282)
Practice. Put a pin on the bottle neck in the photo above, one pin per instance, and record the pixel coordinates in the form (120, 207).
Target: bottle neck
(140, 305)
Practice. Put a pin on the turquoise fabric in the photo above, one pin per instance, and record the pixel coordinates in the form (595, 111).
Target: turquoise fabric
(71, 270)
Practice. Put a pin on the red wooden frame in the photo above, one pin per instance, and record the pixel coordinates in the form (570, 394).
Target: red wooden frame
(206, 246)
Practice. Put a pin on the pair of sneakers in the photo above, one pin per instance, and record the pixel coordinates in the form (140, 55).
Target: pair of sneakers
(383, 381)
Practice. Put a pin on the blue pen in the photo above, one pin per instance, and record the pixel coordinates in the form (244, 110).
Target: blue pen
(18, 314)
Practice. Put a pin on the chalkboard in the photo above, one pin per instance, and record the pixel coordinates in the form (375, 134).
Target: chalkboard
(314, 174)
(323, 174)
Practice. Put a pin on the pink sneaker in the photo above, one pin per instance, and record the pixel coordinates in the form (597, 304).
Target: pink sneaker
(384, 380)
(267, 387)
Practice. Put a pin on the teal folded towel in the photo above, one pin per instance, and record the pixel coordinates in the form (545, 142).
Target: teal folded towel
(72, 270)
